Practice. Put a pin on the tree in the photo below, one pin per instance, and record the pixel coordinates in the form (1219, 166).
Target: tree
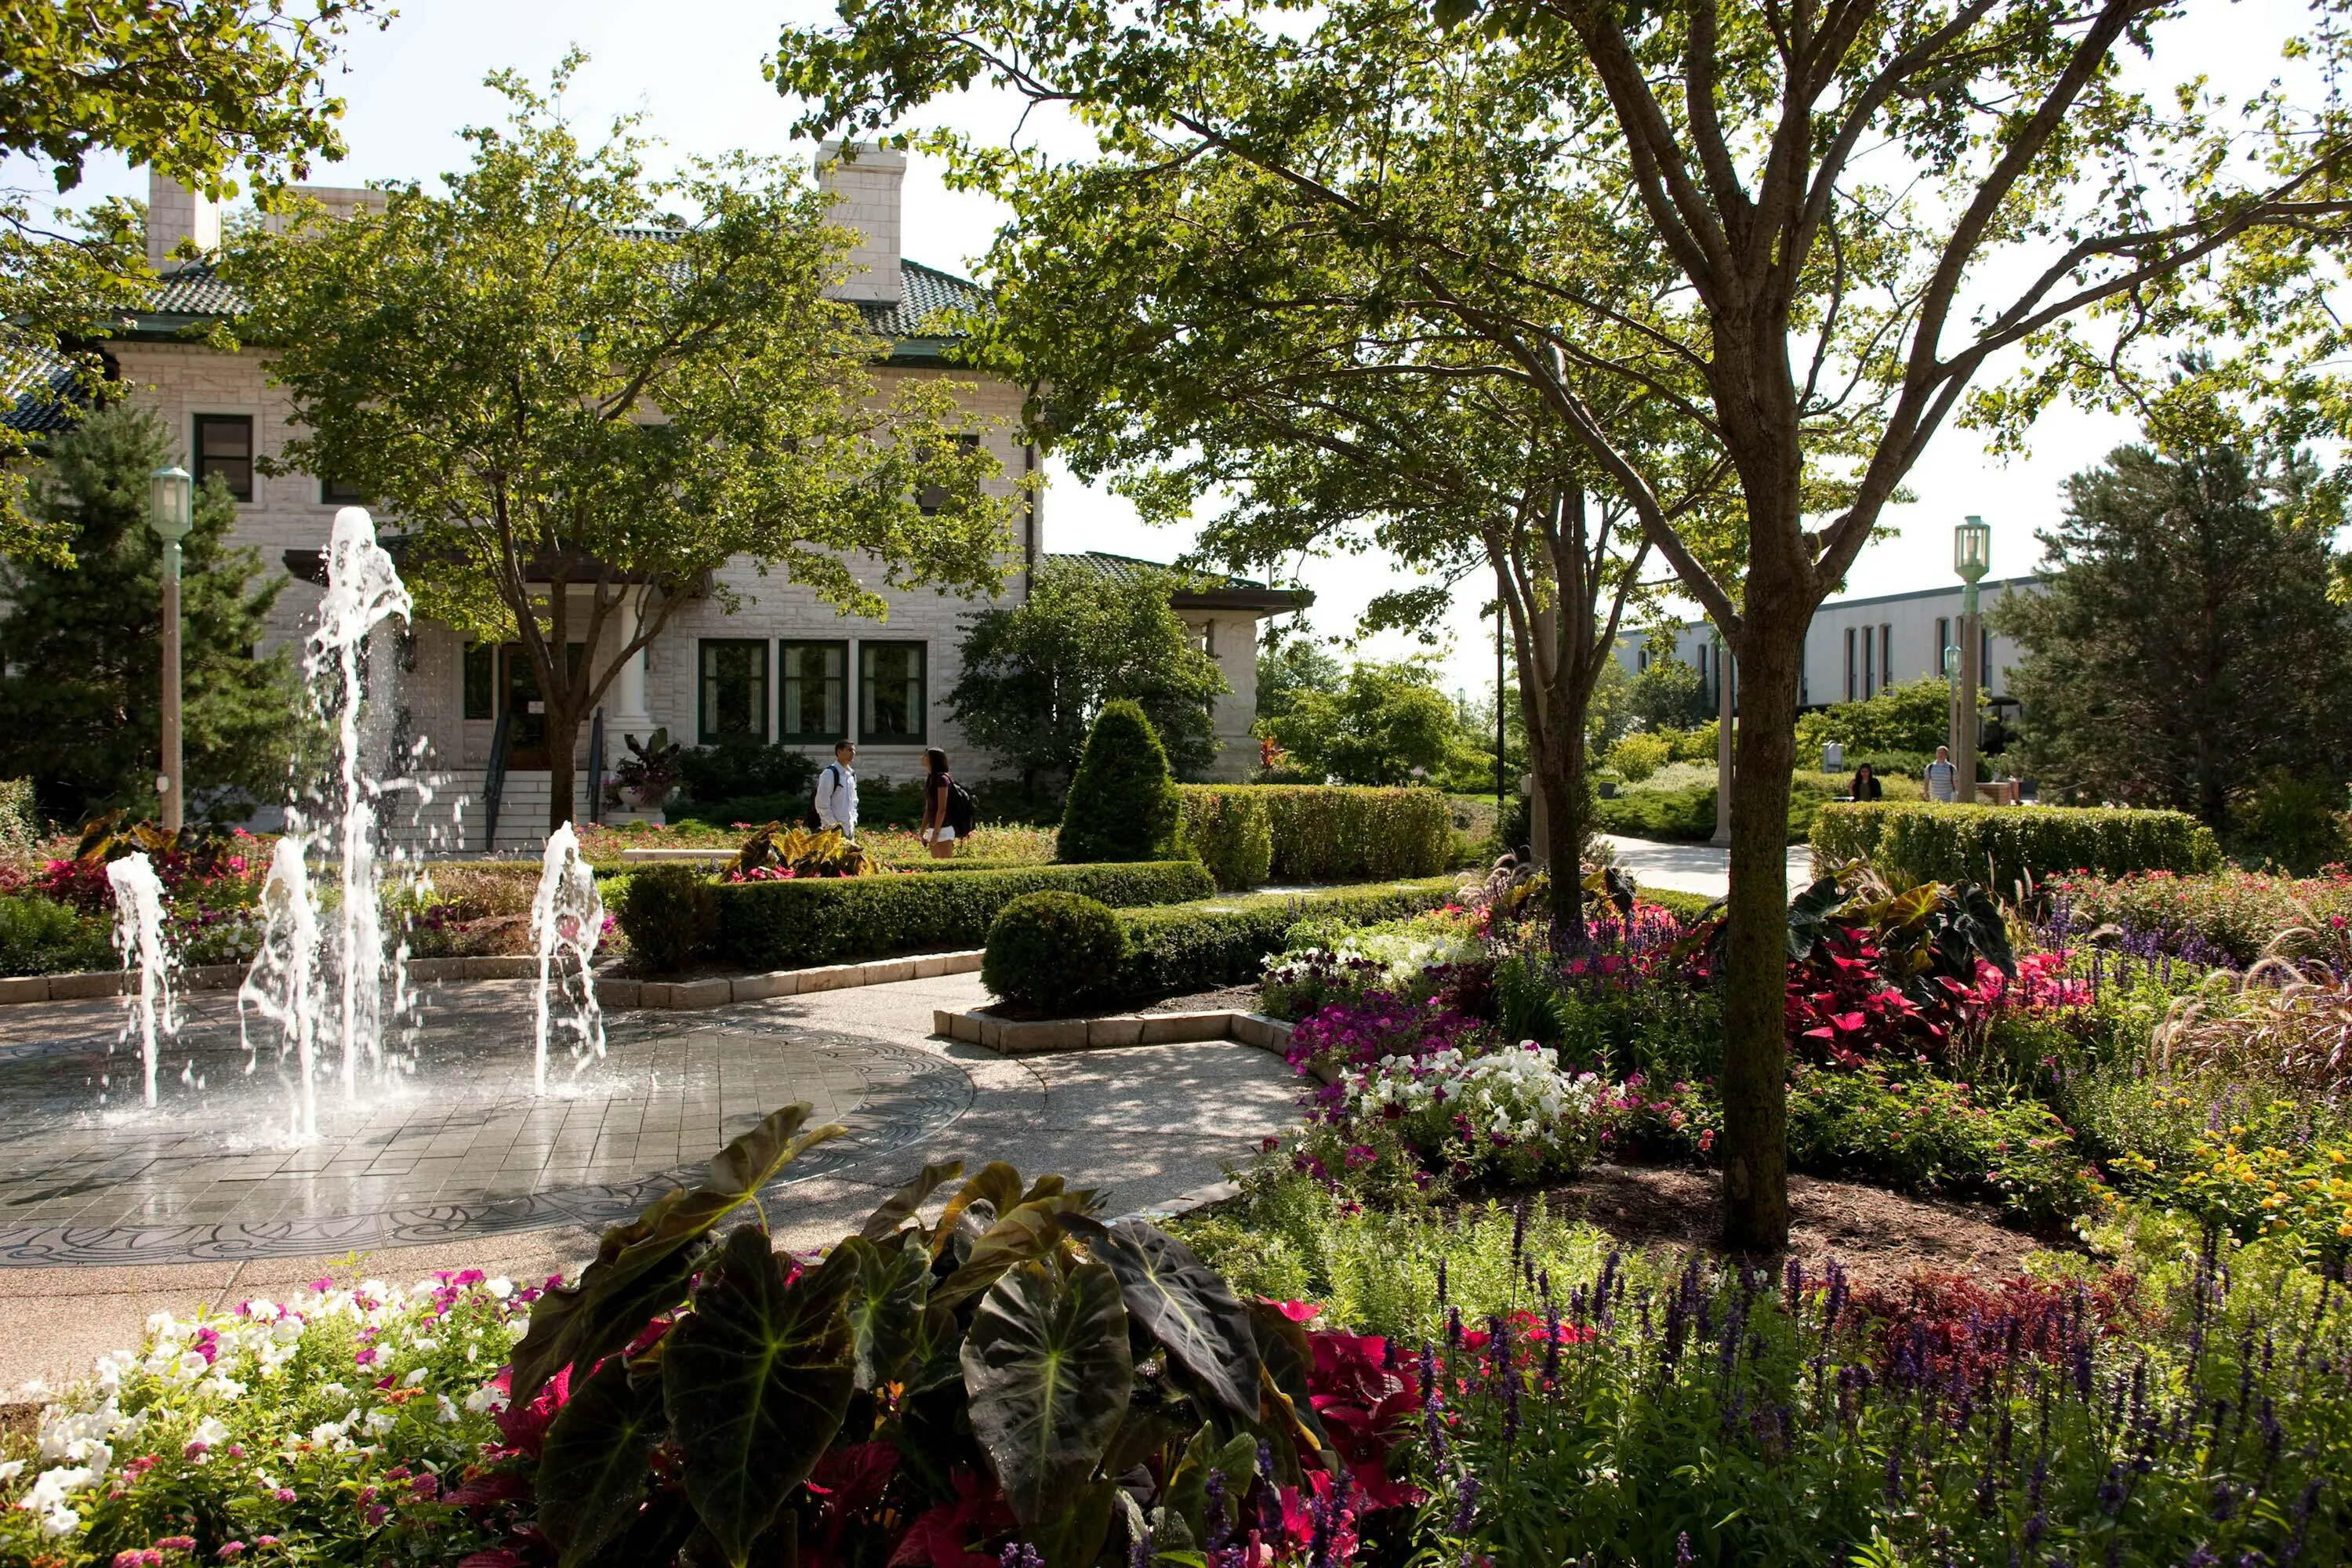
(1388, 723)
(1858, 204)
(81, 643)
(578, 405)
(1911, 716)
(1665, 696)
(1035, 674)
(2185, 644)
(190, 90)
(1289, 667)
(1122, 804)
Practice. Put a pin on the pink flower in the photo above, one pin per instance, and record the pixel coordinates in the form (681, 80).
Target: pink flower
(176, 1543)
(284, 1494)
(230, 1551)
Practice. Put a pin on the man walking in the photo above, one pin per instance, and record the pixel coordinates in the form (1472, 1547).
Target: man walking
(1943, 778)
(836, 792)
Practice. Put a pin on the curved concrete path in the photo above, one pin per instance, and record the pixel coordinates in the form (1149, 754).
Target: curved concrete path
(1147, 1124)
(1689, 867)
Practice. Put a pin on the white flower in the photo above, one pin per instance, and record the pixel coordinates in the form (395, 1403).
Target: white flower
(48, 1498)
(487, 1398)
(381, 1421)
(10, 1469)
(416, 1374)
(500, 1286)
(444, 1412)
(211, 1432)
(225, 1389)
(334, 1391)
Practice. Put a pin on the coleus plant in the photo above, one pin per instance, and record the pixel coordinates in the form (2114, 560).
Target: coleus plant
(1015, 1368)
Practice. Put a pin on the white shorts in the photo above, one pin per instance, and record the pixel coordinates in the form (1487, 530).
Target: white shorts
(941, 835)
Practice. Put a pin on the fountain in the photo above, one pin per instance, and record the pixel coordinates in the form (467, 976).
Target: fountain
(567, 920)
(139, 938)
(284, 984)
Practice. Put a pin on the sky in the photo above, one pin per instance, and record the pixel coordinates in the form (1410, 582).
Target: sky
(692, 68)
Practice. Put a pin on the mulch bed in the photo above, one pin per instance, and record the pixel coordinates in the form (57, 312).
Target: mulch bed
(1880, 1237)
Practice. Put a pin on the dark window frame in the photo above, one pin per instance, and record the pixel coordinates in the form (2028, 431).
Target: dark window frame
(929, 499)
(789, 736)
(707, 733)
(334, 493)
(226, 466)
(478, 679)
(921, 734)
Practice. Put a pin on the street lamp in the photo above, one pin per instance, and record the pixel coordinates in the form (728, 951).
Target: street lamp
(170, 492)
(1971, 557)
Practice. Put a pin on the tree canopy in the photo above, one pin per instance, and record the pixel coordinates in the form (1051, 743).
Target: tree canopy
(579, 401)
(1035, 674)
(193, 90)
(2185, 644)
(1387, 723)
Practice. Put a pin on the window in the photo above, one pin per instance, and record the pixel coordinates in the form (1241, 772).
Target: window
(1850, 688)
(1984, 658)
(890, 693)
(929, 499)
(734, 690)
(1869, 665)
(335, 492)
(225, 447)
(481, 680)
(1886, 655)
(1943, 641)
(815, 690)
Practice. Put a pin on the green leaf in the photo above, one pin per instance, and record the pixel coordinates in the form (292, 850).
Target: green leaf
(1030, 1231)
(592, 1472)
(1073, 1537)
(996, 1181)
(642, 1269)
(1047, 1367)
(1182, 1303)
(902, 1205)
(1187, 1482)
(1286, 1357)
(756, 1380)
(886, 1307)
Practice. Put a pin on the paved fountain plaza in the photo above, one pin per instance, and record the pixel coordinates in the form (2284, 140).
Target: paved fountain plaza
(457, 1146)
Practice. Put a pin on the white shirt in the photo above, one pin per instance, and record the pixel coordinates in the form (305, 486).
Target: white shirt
(836, 797)
(1943, 781)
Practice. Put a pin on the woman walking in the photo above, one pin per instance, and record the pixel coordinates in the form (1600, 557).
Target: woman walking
(938, 784)
(1866, 785)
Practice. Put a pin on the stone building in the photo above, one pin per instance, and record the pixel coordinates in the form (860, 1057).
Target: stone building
(782, 667)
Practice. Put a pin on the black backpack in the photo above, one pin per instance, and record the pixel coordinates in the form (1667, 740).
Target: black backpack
(815, 824)
(963, 815)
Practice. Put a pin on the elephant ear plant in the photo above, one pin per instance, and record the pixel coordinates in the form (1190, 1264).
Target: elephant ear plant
(1010, 1372)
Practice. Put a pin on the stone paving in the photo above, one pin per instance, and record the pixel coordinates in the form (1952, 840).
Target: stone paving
(109, 1211)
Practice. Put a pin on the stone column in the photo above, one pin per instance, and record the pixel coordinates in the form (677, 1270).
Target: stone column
(629, 716)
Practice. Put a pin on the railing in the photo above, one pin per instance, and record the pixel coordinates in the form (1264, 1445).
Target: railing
(494, 781)
(596, 767)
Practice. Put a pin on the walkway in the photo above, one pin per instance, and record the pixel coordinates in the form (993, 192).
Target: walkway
(1694, 867)
(206, 1203)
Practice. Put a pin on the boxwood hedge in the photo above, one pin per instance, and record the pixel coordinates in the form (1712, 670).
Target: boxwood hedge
(790, 925)
(1342, 833)
(2005, 848)
(1225, 941)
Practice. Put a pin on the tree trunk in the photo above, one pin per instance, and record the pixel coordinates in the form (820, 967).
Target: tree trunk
(561, 731)
(1754, 1047)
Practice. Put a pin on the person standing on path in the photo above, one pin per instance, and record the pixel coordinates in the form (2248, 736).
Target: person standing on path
(1943, 778)
(938, 831)
(1866, 785)
(836, 792)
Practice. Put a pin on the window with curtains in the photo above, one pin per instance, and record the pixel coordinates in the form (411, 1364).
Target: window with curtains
(734, 690)
(890, 693)
(815, 685)
(225, 447)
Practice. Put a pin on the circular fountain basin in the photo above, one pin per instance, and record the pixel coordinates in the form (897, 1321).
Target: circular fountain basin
(452, 1144)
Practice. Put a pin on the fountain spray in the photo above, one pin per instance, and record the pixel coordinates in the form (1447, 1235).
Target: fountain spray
(284, 984)
(153, 1007)
(567, 920)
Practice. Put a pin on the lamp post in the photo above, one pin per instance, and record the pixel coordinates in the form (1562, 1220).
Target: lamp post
(1972, 554)
(169, 494)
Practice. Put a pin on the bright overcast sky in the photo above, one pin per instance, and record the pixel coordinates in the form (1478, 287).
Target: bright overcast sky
(694, 70)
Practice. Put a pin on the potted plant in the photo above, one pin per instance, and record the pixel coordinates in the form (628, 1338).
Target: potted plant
(647, 775)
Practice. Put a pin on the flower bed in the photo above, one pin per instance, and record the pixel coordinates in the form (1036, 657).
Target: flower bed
(2228, 916)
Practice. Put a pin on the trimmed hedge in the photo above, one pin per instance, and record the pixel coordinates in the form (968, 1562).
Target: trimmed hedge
(2003, 847)
(1052, 949)
(793, 924)
(1347, 833)
(668, 912)
(1231, 831)
(1685, 907)
(1225, 942)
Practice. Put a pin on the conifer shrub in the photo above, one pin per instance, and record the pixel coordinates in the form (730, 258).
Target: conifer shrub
(1122, 804)
(1053, 950)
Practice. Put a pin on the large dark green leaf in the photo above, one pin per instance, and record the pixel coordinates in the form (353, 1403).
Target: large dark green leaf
(1809, 915)
(1073, 1537)
(901, 1206)
(592, 1473)
(1182, 1303)
(756, 1379)
(655, 1535)
(642, 1269)
(886, 1306)
(996, 1181)
(1287, 1358)
(1031, 1230)
(1046, 1368)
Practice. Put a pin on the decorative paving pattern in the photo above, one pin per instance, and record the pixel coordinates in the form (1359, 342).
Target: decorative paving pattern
(460, 1147)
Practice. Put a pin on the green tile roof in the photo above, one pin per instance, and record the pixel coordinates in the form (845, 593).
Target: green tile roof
(35, 387)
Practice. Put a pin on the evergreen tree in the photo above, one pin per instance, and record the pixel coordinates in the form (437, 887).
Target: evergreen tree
(2186, 644)
(1122, 804)
(81, 647)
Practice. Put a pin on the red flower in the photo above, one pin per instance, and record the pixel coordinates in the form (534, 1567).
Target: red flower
(948, 1536)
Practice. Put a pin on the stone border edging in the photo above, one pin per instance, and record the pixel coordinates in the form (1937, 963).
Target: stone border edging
(1023, 1038)
(612, 991)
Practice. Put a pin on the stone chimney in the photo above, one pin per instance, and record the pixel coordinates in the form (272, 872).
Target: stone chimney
(865, 184)
(340, 201)
(175, 213)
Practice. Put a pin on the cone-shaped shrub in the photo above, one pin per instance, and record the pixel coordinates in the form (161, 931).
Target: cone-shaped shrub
(1122, 804)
